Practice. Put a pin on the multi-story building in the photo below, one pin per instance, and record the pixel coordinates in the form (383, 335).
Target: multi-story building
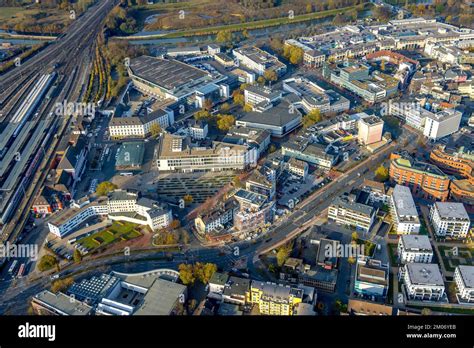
(236, 290)
(315, 153)
(424, 179)
(356, 78)
(442, 124)
(414, 248)
(298, 168)
(263, 181)
(176, 153)
(274, 299)
(217, 217)
(254, 137)
(371, 277)
(255, 95)
(403, 211)
(140, 126)
(370, 130)
(423, 281)
(117, 206)
(258, 60)
(376, 191)
(311, 56)
(464, 278)
(313, 97)
(450, 219)
(460, 162)
(48, 303)
(345, 210)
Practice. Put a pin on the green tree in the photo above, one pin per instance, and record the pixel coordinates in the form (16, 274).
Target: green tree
(47, 262)
(77, 256)
(247, 108)
(225, 107)
(202, 115)
(296, 55)
(261, 80)
(354, 236)
(381, 174)
(224, 36)
(186, 274)
(238, 97)
(104, 188)
(272, 148)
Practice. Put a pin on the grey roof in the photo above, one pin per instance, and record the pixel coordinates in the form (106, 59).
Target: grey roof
(452, 210)
(237, 286)
(168, 73)
(219, 278)
(62, 303)
(467, 275)
(424, 274)
(278, 115)
(130, 154)
(277, 292)
(417, 242)
(93, 289)
(161, 298)
(122, 195)
(403, 199)
(345, 202)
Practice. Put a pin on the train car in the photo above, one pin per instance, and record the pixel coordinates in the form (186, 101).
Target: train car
(13, 267)
(21, 271)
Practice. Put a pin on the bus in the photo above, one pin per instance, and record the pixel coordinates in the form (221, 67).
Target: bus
(21, 270)
(12, 267)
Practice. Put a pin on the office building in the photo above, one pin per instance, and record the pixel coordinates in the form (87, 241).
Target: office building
(345, 210)
(371, 277)
(369, 130)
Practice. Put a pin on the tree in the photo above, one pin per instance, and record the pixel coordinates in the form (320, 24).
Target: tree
(224, 36)
(381, 13)
(426, 311)
(155, 130)
(77, 256)
(261, 80)
(186, 274)
(225, 107)
(175, 224)
(202, 115)
(239, 98)
(61, 284)
(208, 105)
(283, 253)
(247, 108)
(47, 262)
(272, 148)
(311, 118)
(188, 199)
(204, 271)
(105, 187)
(338, 19)
(224, 122)
(309, 8)
(381, 173)
(354, 236)
(296, 55)
(270, 75)
(236, 182)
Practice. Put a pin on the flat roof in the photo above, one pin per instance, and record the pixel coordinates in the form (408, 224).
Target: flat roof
(404, 203)
(452, 210)
(467, 275)
(167, 73)
(63, 303)
(130, 154)
(161, 298)
(424, 274)
(279, 115)
(418, 242)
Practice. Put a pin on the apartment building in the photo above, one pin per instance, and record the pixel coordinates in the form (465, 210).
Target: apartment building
(217, 217)
(403, 211)
(179, 154)
(274, 299)
(442, 124)
(464, 278)
(423, 281)
(255, 95)
(414, 248)
(298, 168)
(450, 219)
(424, 179)
(345, 210)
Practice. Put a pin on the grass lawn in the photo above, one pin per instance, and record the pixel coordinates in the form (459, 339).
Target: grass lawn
(448, 310)
(13, 15)
(118, 231)
(464, 257)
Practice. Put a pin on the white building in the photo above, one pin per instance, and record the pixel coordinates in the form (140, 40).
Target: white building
(450, 219)
(298, 168)
(423, 281)
(415, 248)
(255, 95)
(442, 124)
(370, 130)
(140, 126)
(403, 211)
(258, 60)
(116, 207)
(464, 278)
